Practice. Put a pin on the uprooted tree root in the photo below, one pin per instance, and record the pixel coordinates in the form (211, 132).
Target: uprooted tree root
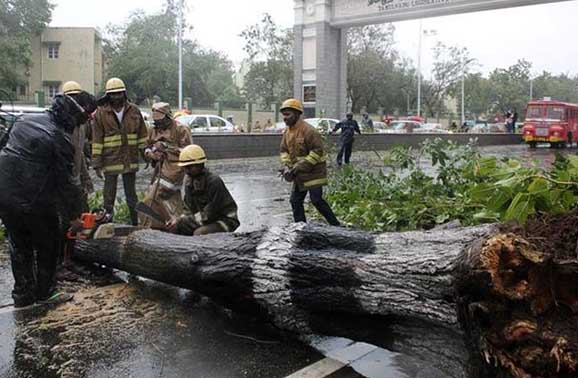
(518, 299)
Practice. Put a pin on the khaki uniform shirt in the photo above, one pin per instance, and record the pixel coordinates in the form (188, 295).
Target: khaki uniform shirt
(116, 145)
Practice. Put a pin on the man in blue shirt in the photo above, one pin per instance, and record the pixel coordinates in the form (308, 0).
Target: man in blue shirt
(348, 129)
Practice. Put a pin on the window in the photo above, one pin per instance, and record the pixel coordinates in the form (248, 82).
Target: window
(52, 90)
(199, 122)
(309, 93)
(53, 51)
(555, 112)
(534, 112)
(216, 122)
(22, 90)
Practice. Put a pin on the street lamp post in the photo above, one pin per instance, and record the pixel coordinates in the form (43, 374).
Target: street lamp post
(419, 70)
(463, 91)
(422, 33)
(180, 47)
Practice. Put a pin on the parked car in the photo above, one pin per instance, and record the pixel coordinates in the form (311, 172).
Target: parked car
(431, 128)
(380, 127)
(403, 126)
(202, 123)
(323, 125)
(276, 128)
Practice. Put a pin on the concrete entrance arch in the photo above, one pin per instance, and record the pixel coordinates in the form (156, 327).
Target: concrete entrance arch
(320, 61)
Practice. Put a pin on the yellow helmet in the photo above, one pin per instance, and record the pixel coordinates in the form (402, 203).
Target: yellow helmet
(71, 87)
(292, 104)
(115, 85)
(192, 155)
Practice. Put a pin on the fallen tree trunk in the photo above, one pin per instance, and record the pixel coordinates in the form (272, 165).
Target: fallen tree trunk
(491, 291)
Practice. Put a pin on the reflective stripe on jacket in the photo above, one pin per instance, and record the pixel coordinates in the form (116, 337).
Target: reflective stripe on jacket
(115, 146)
(176, 137)
(302, 150)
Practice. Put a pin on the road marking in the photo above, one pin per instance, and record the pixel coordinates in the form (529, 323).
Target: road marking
(320, 369)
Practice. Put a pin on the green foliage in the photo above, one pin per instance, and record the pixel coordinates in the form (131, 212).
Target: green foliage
(121, 212)
(270, 52)
(2, 234)
(460, 185)
(143, 52)
(375, 72)
(19, 20)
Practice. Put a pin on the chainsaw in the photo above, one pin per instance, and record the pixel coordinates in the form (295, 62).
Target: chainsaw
(90, 222)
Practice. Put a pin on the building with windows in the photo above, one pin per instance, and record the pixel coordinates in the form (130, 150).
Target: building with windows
(63, 54)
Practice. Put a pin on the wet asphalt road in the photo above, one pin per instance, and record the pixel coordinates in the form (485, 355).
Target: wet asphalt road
(187, 336)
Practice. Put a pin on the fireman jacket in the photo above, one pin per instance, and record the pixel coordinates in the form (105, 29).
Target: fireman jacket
(36, 170)
(175, 137)
(115, 146)
(302, 151)
(207, 201)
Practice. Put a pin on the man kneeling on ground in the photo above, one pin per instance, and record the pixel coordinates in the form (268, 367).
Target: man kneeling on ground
(209, 207)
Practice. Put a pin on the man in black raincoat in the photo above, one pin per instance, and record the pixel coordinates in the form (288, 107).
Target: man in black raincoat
(39, 192)
(348, 129)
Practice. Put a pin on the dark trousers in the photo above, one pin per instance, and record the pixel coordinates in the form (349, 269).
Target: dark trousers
(316, 197)
(346, 147)
(34, 242)
(129, 184)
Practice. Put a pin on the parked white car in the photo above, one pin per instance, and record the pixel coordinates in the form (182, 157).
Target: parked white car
(202, 123)
(380, 127)
(276, 128)
(403, 126)
(431, 128)
(323, 125)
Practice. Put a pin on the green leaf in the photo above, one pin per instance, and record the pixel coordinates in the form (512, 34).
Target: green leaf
(538, 185)
(573, 159)
(520, 208)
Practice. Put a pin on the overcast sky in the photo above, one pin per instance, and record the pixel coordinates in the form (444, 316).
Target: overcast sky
(543, 34)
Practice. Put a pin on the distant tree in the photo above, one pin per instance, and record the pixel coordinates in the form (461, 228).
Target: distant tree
(19, 21)
(143, 52)
(376, 76)
(450, 63)
(270, 52)
(510, 86)
(561, 87)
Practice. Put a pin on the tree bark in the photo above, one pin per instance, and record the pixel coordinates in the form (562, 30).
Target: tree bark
(439, 291)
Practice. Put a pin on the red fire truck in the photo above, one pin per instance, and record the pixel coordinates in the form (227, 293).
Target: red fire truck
(551, 122)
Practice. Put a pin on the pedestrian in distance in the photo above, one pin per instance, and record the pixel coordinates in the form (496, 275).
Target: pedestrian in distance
(39, 192)
(119, 137)
(304, 163)
(348, 128)
(209, 206)
(165, 142)
(367, 123)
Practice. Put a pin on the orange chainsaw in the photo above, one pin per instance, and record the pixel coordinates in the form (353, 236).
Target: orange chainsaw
(90, 222)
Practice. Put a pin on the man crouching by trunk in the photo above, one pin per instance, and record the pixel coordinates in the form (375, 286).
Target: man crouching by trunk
(209, 206)
(37, 189)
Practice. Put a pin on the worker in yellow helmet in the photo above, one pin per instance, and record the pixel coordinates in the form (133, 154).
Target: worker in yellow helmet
(165, 142)
(79, 138)
(119, 136)
(303, 158)
(209, 206)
